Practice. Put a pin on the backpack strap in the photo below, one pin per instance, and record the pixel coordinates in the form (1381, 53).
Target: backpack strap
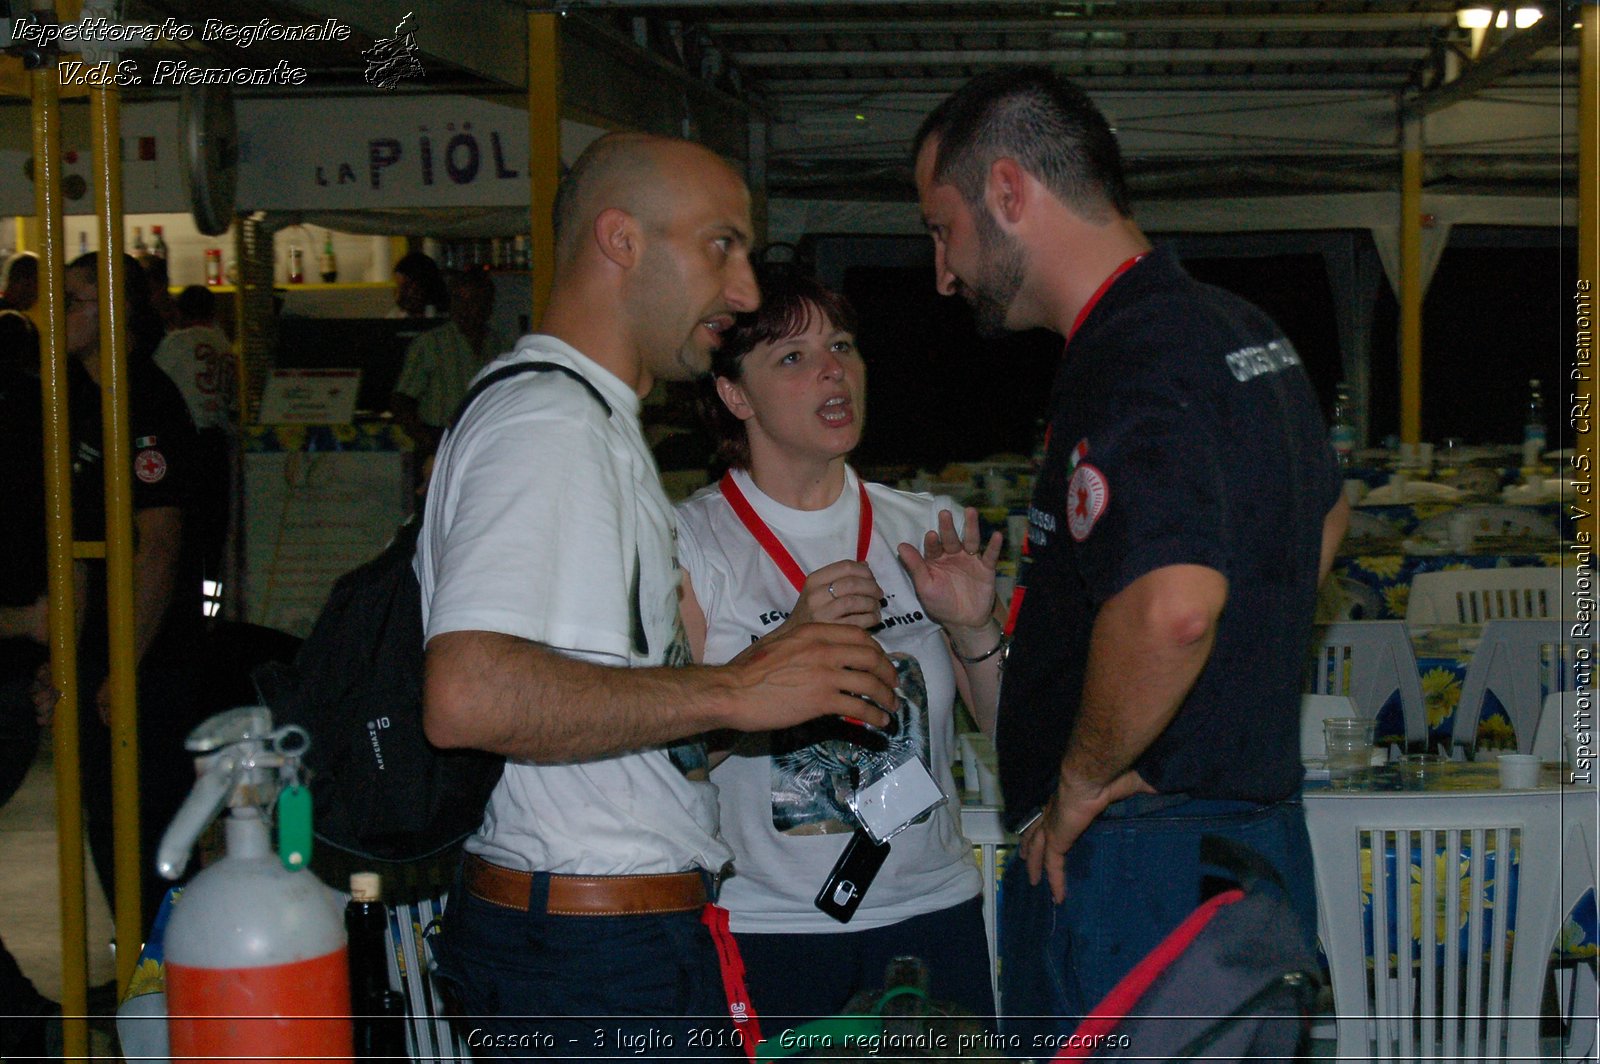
(516, 369)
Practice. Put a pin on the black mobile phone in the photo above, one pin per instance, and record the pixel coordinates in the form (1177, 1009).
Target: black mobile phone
(852, 874)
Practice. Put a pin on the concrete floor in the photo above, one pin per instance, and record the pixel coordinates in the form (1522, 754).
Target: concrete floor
(30, 909)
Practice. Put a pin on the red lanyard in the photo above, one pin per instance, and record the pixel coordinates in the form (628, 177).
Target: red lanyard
(1098, 292)
(769, 542)
(740, 1009)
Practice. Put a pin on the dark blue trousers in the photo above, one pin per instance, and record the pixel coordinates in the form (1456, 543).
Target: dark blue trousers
(583, 987)
(1131, 879)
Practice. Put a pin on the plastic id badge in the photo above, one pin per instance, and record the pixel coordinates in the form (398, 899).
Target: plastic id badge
(890, 803)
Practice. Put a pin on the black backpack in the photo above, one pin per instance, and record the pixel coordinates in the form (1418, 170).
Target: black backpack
(379, 789)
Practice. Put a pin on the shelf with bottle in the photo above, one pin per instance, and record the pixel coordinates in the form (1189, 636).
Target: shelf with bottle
(313, 285)
(496, 254)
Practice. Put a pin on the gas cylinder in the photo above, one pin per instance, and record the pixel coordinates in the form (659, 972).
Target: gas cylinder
(255, 947)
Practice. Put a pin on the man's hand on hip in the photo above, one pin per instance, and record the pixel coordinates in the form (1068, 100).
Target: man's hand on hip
(1067, 815)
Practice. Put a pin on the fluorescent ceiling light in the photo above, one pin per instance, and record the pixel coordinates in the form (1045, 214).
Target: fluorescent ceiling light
(1478, 18)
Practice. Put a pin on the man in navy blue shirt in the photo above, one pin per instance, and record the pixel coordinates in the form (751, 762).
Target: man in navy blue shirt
(1187, 508)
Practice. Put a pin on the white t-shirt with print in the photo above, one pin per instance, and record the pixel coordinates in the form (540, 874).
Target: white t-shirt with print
(200, 361)
(543, 515)
(781, 816)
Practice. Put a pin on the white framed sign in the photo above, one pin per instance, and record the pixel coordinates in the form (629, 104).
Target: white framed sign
(310, 397)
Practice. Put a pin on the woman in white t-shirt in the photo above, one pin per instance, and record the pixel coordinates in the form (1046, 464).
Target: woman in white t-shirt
(790, 535)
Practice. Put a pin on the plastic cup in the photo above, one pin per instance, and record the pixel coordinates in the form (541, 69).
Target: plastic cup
(1350, 746)
(1418, 770)
(1519, 772)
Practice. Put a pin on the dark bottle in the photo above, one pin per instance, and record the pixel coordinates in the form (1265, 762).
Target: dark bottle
(378, 1011)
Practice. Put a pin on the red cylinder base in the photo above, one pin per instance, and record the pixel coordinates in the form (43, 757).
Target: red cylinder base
(275, 1012)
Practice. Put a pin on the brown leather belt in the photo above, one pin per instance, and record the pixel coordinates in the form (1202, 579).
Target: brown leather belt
(587, 895)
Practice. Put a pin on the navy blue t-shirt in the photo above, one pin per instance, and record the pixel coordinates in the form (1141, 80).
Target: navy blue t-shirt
(162, 453)
(1183, 431)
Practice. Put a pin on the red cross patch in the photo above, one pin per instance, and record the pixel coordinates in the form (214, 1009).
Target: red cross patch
(1087, 496)
(150, 466)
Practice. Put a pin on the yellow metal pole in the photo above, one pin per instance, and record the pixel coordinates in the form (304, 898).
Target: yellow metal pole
(1587, 442)
(544, 150)
(1411, 278)
(58, 536)
(105, 130)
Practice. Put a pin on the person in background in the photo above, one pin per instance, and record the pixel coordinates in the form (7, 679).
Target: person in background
(19, 288)
(441, 363)
(550, 602)
(419, 288)
(166, 571)
(778, 543)
(1188, 506)
(19, 335)
(166, 308)
(24, 613)
(200, 360)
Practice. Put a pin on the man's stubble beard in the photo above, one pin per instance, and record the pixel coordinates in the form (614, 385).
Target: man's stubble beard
(1001, 266)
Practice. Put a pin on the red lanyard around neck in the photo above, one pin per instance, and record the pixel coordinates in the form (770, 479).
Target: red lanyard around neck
(769, 541)
(1127, 265)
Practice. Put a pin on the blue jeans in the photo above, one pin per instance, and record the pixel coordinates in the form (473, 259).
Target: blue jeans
(583, 987)
(1132, 877)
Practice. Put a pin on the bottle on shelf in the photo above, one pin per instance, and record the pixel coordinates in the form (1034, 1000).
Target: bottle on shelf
(213, 266)
(139, 247)
(158, 246)
(327, 264)
(297, 265)
(1533, 434)
(377, 1010)
(1342, 430)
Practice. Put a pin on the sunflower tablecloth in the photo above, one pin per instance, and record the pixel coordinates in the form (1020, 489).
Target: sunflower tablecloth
(1389, 576)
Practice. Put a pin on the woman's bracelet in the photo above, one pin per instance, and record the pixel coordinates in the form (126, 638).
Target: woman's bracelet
(986, 655)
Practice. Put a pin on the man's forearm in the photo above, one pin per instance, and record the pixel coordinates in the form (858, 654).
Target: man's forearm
(155, 571)
(495, 692)
(1334, 526)
(526, 701)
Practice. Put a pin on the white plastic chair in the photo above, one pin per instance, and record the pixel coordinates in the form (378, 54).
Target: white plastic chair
(1350, 600)
(1368, 661)
(1491, 520)
(1437, 999)
(1314, 709)
(1522, 662)
(1577, 989)
(1555, 736)
(982, 826)
(1478, 596)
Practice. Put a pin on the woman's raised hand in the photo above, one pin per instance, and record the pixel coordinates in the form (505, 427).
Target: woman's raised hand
(842, 592)
(953, 577)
